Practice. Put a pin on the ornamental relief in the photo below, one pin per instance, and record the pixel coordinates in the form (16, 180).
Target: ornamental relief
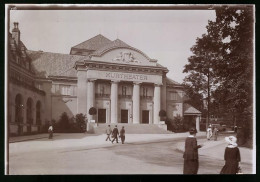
(126, 57)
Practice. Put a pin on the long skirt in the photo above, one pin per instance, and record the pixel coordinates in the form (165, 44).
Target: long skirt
(230, 167)
(190, 167)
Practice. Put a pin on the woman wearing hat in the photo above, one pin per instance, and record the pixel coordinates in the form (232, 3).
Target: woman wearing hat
(231, 156)
(209, 132)
(191, 158)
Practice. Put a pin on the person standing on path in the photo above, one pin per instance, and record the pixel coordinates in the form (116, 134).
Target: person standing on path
(209, 132)
(108, 132)
(115, 134)
(191, 157)
(122, 134)
(50, 130)
(215, 133)
(231, 156)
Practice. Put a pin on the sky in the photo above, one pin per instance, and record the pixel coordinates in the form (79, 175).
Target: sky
(165, 35)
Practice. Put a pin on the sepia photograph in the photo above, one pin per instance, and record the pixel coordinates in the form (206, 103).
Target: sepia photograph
(130, 89)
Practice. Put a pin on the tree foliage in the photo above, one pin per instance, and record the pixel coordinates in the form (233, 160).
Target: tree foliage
(222, 60)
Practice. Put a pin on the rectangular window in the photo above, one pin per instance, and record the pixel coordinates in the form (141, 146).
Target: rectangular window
(174, 95)
(145, 91)
(124, 89)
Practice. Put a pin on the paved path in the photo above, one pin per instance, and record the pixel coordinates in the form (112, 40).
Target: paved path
(90, 154)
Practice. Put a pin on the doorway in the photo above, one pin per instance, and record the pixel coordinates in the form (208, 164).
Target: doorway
(145, 116)
(124, 116)
(101, 115)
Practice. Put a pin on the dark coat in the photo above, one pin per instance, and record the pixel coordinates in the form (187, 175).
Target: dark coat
(122, 132)
(191, 149)
(115, 132)
(191, 162)
(232, 158)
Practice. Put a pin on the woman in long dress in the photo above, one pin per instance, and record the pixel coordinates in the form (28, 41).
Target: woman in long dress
(209, 132)
(231, 156)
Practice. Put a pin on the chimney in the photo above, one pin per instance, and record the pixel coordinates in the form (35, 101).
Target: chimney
(16, 33)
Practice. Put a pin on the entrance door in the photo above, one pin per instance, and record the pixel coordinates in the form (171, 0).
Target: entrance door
(101, 115)
(145, 116)
(124, 116)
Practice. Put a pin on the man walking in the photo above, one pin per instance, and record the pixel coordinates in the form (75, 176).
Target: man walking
(122, 135)
(108, 132)
(115, 134)
(191, 159)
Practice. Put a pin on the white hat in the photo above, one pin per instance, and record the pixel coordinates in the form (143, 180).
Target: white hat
(231, 140)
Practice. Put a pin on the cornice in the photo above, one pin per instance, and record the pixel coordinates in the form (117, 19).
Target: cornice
(101, 65)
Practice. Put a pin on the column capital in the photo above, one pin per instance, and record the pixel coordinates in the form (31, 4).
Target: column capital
(115, 81)
(91, 80)
(158, 84)
(137, 83)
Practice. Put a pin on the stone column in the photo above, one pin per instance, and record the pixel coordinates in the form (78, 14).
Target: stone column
(156, 103)
(82, 93)
(90, 97)
(114, 101)
(136, 103)
(198, 123)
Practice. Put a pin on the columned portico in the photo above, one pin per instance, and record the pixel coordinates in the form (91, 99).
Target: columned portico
(157, 103)
(114, 101)
(90, 96)
(136, 103)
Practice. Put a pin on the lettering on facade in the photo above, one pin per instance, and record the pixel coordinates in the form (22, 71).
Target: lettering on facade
(126, 76)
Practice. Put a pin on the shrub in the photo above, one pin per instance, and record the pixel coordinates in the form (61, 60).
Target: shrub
(92, 111)
(81, 122)
(162, 113)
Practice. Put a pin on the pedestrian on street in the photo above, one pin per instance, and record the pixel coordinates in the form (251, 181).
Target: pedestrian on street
(191, 157)
(209, 132)
(108, 132)
(215, 133)
(231, 157)
(122, 134)
(50, 130)
(115, 134)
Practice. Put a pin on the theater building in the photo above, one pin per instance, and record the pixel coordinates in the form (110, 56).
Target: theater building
(124, 84)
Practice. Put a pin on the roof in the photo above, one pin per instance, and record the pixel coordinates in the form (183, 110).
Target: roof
(113, 44)
(172, 82)
(53, 64)
(94, 43)
(188, 109)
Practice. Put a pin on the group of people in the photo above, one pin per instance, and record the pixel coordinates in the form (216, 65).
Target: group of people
(115, 134)
(191, 159)
(212, 132)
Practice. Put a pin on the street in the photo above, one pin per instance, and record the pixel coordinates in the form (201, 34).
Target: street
(42, 156)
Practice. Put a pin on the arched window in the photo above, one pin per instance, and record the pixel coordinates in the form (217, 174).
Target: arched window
(29, 104)
(18, 108)
(38, 112)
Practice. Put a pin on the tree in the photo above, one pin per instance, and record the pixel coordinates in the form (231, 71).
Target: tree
(222, 62)
(235, 70)
(202, 78)
(64, 124)
(81, 121)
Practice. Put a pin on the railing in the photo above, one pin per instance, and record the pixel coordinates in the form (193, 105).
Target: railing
(125, 96)
(102, 95)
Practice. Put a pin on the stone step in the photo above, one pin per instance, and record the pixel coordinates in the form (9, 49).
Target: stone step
(133, 128)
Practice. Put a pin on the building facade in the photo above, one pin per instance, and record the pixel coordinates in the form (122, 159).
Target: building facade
(120, 81)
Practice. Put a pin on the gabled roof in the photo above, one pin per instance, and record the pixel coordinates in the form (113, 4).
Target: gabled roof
(114, 44)
(188, 109)
(94, 43)
(172, 82)
(53, 64)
